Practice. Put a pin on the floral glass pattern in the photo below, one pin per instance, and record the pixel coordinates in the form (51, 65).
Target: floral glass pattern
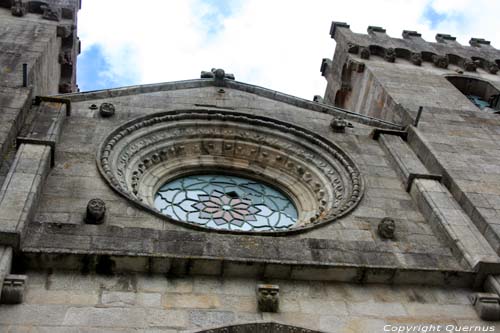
(226, 202)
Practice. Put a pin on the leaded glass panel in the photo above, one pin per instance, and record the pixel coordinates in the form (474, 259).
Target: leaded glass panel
(226, 202)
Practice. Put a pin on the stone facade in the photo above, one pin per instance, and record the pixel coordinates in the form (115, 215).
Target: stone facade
(397, 207)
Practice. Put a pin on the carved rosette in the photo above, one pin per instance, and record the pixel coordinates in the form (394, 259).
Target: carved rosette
(139, 157)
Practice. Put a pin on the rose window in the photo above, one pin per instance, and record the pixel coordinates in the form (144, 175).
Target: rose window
(226, 202)
(230, 172)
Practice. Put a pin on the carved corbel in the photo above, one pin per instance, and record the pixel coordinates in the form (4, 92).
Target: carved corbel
(268, 297)
(386, 228)
(51, 13)
(96, 212)
(440, 61)
(390, 55)
(468, 65)
(19, 8)
(364, 53)
(416, 58)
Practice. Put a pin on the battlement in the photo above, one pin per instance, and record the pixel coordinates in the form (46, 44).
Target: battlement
(412, 47)
(63, 14)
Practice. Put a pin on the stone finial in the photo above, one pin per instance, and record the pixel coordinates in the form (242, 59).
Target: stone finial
(373, 29)
(336, 25)
(416, 58)
(51, 13)
(444, 38)
(386, 228)
(487, 305)
(218, 74)
(478, 42)
(326, 64)
(318, 99)
(107, 110)
(408, 34)
(268, 297)
(13, 289)
(19, 8)
(96, 212)
(440, 61)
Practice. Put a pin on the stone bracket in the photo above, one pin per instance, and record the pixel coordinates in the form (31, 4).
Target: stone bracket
(487, 305)
(39, 99)
(13, 289)
(413, 176)
(40, 142)
(377, 131)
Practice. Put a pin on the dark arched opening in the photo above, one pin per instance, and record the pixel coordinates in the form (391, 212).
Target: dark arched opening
(259, 328)
(481, 93)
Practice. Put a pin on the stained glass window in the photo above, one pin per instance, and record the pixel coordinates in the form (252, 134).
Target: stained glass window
(226, 202)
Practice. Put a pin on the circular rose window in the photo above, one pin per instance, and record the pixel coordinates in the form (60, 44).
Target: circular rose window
(230, 172)
(226, 202)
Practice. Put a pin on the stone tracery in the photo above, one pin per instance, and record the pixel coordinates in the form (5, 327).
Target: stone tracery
(140, 156)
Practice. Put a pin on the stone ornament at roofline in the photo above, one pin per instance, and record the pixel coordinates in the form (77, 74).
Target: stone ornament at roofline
(140, 156)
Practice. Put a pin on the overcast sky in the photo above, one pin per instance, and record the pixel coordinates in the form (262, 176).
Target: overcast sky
(277, 44)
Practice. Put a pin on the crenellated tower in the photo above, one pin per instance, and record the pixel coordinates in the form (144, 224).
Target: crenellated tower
(378, 75)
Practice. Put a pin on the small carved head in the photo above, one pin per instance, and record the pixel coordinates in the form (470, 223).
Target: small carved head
(338, 125)
(440, 61)
(96, 211)
(416, 58)
(469, 65)
(106, 110)
(493, 68)
(386, 228)
(18, 8)
(365, 53)
(390, 54)
(268, 297)
(219, 74)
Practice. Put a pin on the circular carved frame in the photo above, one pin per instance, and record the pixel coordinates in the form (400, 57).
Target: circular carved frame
(140, 156)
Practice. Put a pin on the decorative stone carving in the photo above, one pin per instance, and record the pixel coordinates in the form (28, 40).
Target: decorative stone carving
(66, 58)
(268, 297)
(416, 58)
(468, 65)
(352, 48)
(390, 54)
(19, 8)
(364, 53)
(318, 99)
(13, 289)
(338, 125)
(386, 228)
(440, 61)
(216, 73)
(96, 212)
(487, 305)
(51, 13)
(492, 68)
(106, 110)
(64, 31)
(322, 180)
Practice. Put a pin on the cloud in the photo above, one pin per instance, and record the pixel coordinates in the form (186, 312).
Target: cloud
(276, 44)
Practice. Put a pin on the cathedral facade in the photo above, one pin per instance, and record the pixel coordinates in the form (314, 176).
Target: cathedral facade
(213, 205)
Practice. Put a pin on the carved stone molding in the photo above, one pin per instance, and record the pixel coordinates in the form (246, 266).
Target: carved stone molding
(321, 179)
